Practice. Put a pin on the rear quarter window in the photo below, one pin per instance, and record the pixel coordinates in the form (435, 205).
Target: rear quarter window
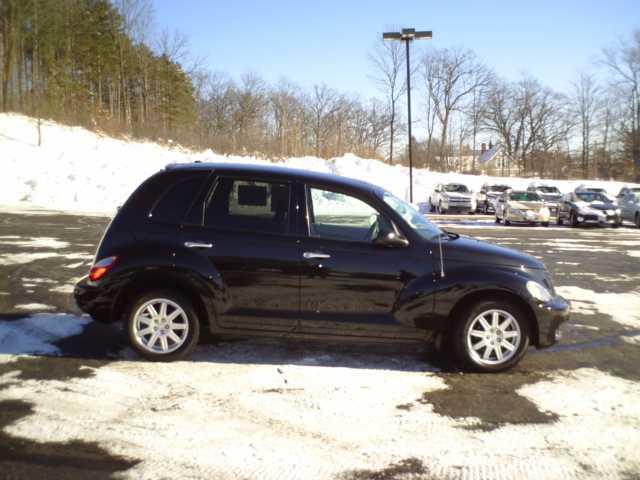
(173, 203)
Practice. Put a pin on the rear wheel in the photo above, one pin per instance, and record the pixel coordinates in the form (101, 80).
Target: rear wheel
(491, 336)
(162, 326)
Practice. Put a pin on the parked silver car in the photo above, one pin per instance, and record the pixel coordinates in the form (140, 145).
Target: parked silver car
(630, 207)
(522, 207)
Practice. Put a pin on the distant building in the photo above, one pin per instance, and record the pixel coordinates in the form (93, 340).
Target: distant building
(495, 162)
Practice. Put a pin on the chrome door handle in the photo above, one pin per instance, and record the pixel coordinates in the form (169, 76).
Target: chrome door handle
(197, 245)
(310, 255)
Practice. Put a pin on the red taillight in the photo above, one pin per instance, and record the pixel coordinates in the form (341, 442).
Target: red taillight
(100, 268)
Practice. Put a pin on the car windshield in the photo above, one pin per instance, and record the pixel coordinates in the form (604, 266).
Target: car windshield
(549, 189)
(592, 197)
(455, 187)
(524, 197)
(498, 188)
(416, 221)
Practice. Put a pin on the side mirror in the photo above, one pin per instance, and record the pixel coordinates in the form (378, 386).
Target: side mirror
(391, 240)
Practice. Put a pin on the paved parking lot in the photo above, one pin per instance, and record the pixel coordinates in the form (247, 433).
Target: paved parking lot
(285, 409)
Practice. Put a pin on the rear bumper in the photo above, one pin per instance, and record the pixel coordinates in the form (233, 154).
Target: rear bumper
(92, 300)
(550, 316)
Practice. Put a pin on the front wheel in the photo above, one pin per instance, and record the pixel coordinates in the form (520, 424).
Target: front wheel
(492, 336)
(573, 219)
(162, 326)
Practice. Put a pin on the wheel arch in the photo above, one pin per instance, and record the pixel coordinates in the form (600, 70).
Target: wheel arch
(465, 302)
(161, 279)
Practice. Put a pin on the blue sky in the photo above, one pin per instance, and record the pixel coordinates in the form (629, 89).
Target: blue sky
(326, 41)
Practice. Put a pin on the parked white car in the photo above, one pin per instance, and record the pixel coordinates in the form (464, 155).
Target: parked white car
(452, 197)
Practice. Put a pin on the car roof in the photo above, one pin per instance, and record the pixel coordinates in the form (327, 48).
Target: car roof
(276, 171)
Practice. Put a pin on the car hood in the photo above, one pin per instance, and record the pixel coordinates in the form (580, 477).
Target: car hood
(471, 250)
(456, 194)
(551, 197)
(526, 205)
(597, 205)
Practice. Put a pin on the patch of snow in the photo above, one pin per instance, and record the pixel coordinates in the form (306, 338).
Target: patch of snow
(74, 265)
(34, 306)
(623, 308)
(35, 334)
(63, 289)
(78, 171)
(22, 258)
(37, 242)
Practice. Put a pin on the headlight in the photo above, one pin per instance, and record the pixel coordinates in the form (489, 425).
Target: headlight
(538, 292)
(618, 211)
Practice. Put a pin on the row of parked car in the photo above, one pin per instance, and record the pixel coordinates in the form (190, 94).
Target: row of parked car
(540, 204)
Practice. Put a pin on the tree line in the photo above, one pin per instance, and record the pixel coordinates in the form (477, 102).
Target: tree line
(100, 64)
(590, 131)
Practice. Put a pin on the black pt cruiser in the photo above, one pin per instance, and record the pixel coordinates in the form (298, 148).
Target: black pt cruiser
(258, 250)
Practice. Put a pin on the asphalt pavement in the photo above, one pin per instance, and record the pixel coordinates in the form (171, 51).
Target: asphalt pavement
(42, 254)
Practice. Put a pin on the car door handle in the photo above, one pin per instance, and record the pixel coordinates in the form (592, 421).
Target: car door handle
(198, 245)
(310, 255)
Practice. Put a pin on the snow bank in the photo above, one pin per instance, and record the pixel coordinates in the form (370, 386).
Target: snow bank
(81, 171)
(36, 334)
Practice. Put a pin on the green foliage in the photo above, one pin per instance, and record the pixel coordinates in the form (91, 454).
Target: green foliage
(72, 61)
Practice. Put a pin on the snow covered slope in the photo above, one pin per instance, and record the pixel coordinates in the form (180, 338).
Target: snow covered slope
(81, 171)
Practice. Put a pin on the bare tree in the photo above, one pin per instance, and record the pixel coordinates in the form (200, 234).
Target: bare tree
(586, 106)
(623, 61)
(388, 59)
(450, 76)
(323, 103)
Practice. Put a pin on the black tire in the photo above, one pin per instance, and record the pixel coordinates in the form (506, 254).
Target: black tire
(559, 221)
(193, 331)
(638, 220)
(573, 219)
(545, 224)
(460, 334)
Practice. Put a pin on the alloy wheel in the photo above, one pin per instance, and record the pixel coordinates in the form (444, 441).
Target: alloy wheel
(160, 326)
(493, 337)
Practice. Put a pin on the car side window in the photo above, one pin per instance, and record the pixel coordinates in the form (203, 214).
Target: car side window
(249, 205)
(173, 203)
(339, 216)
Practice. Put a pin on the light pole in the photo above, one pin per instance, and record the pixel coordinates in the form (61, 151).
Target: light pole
(406, 35)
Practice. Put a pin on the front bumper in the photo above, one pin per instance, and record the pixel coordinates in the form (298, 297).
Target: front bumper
(603, 220)
(550, 316)
(529, 216)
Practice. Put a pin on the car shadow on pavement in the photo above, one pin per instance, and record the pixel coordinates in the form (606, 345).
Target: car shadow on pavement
(492, 399)
(26, 458)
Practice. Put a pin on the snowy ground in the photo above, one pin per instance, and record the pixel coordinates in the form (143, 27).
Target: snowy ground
(75, 402)
(81, 171)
